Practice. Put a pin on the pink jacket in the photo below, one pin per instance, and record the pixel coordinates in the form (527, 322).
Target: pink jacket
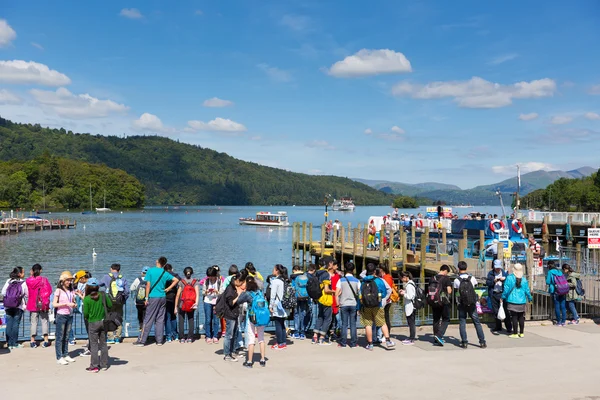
(34, 284)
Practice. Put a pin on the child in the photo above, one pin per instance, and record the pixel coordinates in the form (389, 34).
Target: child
(211, 287)
(94, 305)
(64, 303)
(302, 309)
(15, 301)
(253, 332)
(409, 292)
(179, 305)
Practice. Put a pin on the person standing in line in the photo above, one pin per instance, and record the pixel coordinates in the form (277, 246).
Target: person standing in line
(38, 304)
(186, 304)
(255, 332)
(467, 305)
(117, 289)
(64, 303)
(516, 294)
(572, 296)
(94, 314)
(409, 293)
(211, 288)
(302, 310)
(278, 313)
(170, 296)
(495, 284)
(374, 293)
(80, 281)
(439, 293)
(138, 288)
(231, 313)
(347, 294)
(387, 277)
(325, 312)
(156, 279)
(560, 299)
(15, 296)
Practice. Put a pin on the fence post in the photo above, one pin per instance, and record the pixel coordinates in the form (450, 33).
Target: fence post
(423, 260)
(342, 246)
(404, 248)
(381, 235)
(354, 244)
(365, 243)
(529, 272)
(578, 257)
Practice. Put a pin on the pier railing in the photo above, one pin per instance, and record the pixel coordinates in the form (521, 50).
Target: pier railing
(563, 217)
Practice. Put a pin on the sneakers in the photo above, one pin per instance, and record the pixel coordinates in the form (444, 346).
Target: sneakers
(62, 361)
(521, 335)
(104, 369)
(263, 363)
(513, 336)
(85, 353)
(110, 341)
(296, 336)
(45, 345)
(137, 343)
(314, 340)
(324, 343)
(72, 343)
(439, 341)
(169, 340)
(33, 345)
(93, 370)
(230, 358)
(302, 336)
(464, 345)
(69, 359)
(574, 322)
(159, 343)
(369, 346)
(117, 340)
(483, 345)
(342, 345)
(188, 340)
(215, 340)
(17, 346)
(275, 347)
(389, 344)
(408, 342)
(247, 364)
(209, 341)
(182, 341)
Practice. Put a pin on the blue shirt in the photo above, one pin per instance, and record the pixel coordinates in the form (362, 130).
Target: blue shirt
(152, 276)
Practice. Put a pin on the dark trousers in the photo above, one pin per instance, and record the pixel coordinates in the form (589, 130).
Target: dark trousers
(323, 320)
(13, 320)
(170, 320)
(412, 327)
(441, 319)
(280, 330)
(97, 335)
(386, 311)
(155, 315)
(141, 313)
(518, 319)
(463, 313)
(182, 316)
(348, 314)
(63, 326)
(496, 298)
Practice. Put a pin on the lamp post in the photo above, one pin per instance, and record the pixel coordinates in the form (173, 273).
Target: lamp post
(499, 194)
(326, 201)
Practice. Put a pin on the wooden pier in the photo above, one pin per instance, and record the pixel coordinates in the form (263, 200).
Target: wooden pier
(19, 225)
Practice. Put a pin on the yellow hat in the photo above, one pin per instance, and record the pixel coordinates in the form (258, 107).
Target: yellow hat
(80, 274)
(65, 275)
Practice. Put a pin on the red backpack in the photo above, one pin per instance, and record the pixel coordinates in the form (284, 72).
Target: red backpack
(188, 296)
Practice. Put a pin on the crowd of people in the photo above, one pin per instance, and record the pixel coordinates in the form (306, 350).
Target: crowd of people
(322, 301)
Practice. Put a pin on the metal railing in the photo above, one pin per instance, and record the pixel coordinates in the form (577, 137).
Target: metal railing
(563, 217)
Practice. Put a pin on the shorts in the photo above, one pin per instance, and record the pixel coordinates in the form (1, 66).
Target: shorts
(251, 331)
(376, 315)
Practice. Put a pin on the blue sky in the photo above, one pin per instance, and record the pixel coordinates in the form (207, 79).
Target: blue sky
(408, 91)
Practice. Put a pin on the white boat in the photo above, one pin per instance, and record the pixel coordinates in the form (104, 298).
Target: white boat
(343, 204)
(263, 218)
(103, 209)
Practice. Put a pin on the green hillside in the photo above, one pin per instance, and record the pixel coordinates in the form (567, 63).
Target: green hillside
(178, 173)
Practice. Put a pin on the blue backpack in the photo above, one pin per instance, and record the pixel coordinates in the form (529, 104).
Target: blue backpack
(300, 284)
(258, 312)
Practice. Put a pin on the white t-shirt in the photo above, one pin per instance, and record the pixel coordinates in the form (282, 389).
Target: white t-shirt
(461, 276)
(211, 298)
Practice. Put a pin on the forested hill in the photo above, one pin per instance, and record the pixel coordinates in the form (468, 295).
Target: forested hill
(178, 173)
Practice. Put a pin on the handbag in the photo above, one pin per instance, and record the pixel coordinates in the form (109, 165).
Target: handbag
(501, 314)
(112, 319)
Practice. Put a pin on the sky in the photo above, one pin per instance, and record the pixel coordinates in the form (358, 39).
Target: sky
(400, 90)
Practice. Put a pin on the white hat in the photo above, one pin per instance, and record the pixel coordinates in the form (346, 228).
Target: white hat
(518, 270)
(498, 264)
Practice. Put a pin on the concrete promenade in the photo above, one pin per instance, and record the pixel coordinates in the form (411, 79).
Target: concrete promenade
(549, 363)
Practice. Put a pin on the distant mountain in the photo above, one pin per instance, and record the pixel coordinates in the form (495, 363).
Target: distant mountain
(480, 195)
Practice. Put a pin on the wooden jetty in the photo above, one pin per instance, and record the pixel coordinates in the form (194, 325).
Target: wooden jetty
(19, 225)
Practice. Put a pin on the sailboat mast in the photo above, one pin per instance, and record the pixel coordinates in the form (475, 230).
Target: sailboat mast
(91, 207)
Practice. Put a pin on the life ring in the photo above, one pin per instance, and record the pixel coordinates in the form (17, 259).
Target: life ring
(517, 226)
(496, 224)
(419, 223)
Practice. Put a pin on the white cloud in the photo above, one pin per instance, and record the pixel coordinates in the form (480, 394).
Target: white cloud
(561, 119)
(7, 97)
(477, 92)
(149, 122)
(276, 74)
(594, 89)
(398, 130)
(368, 131)
(528, 117)
(503, 58)
(526, 167)
(31, 73)
(371, 62)
(68, 105)
(216, 102)
(37, 45)
(217, 125)
(592, 116)
(320, 144)
(7, 34)
(132, 13)
(298, 23)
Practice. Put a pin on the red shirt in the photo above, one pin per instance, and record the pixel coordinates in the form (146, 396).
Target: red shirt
(334, 281)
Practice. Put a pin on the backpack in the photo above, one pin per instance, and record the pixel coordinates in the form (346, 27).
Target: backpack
(466, 292)
(42, 299)
(369, 294)
(188, 296)
(116, 283)
(420, 298)
(14, 294)
(220, 306)
(300, 284)
(561, 286)
(313, 287)
(434, 293)
(140, 293)
(258, 312)
(542, 252)
(579, 287)
(289, 300)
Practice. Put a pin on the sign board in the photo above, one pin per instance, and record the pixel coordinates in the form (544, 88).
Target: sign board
(432, 212)
(559, 231)
(582, 232)
(594, 238)
(502, 235)
(537, 231)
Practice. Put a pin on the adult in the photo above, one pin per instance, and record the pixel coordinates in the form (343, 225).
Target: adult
(373, 296)
(117, 290)
(278, 313)
(439, 292)
(325, 302)
(15, 296)
(231, 314)
(64, 303)
(387, 277)
(170, 314)
(38, 304)
(572, 296)
(94, 304)
(138, 288)
(467, 299)
(516, 294)
(347, 293)
(80, 281)
(560, 300)
(156, 280)
(409, 292)
(211, 288)
(536, 249)
(492, 249)
(299, 280)
(251, 269)
(495, 284)
(186, 304)
(335, 309)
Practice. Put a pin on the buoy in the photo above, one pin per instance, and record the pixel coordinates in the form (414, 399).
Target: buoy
(94, 253)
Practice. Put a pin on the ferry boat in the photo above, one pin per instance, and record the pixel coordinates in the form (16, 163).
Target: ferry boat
(343, 204)
(263, 218)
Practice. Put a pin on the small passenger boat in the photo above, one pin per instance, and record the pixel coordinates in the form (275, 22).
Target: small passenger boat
(264, 218)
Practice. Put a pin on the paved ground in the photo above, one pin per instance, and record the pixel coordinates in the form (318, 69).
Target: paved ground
(549, 363)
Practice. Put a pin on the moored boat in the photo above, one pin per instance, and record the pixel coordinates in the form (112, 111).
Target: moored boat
(343, 204)
(264, 218)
